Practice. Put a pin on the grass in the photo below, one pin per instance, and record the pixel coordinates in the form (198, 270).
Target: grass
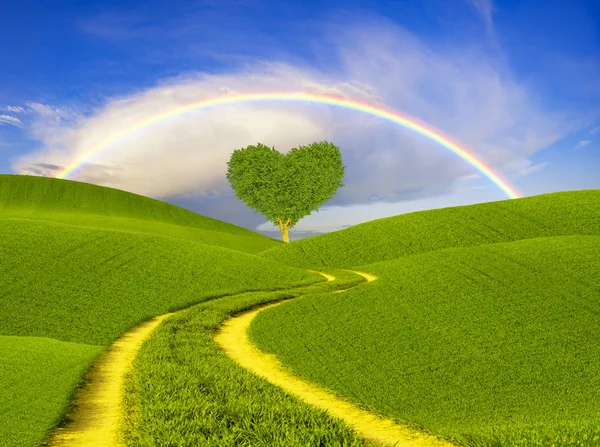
(555, 214)
(42, 194)
(65, 280)
(90, 286)
(213, 401)
(495, 345)
(235, 242)
(37, 379)
(87, 205)
(481, 326)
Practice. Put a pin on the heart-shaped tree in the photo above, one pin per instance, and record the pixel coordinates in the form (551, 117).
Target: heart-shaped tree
(286, 188)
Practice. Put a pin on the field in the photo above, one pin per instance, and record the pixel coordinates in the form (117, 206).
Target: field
(478, 344)
(482, 326)
(90, 206)
(87, 286)
(37, 379)
(555, 214)
(213, 401)
(90, 286)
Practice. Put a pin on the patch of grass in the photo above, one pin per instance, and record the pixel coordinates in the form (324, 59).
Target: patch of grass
(213, 401)
(64, 279)
(84, 204)
(90, 286)
(561, 434)
(37, 377)
(555, 214)
(219, 239)
(493, 345)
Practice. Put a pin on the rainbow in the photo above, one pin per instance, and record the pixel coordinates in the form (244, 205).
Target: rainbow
(377, 110)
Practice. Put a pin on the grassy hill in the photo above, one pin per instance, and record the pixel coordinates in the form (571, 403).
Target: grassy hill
(84, 204)
(37, 378)
(482, 326)
(90, 286)
(69, 289)
(212, 400)
(488, 345)
(555, 214)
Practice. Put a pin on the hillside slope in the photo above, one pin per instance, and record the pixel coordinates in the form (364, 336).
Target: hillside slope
(37, 378)
(67, 292)
(85, 204)
(89, 286)
(494, 345)
(555, 214)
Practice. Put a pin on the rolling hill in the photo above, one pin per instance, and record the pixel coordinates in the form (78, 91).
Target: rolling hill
(69, 288)
(87, 205)
(554, 214)
(481, 327)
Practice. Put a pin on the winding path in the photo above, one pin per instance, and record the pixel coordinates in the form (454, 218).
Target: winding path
(96, 415)
(233, 339)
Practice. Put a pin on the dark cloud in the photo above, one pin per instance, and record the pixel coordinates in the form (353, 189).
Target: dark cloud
(42, 169)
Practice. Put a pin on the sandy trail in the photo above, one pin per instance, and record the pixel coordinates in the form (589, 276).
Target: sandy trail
(96, 415)
(233, 339)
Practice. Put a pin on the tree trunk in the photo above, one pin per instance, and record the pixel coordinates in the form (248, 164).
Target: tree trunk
(284, 234)
(284, 227)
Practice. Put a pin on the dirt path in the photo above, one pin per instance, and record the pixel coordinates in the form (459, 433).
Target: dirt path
(96, 415)
(95, 418)
(233, 339)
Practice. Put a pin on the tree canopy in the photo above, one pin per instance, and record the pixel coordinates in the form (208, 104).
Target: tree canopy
(286, 187)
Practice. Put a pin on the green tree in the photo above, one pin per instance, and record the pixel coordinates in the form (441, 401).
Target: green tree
(286, 188)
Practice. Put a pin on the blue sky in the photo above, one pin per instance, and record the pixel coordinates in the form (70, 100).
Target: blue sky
(518, 82)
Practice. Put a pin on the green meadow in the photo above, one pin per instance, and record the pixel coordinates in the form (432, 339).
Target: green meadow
(87, 286)
(555, 214)
(90, 206)
(90, 286)
(37, 378)
(475, 344)
(213, 401)
(481, 328)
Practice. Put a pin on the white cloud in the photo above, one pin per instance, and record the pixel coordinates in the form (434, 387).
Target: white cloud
(468, 95)
(353, 89)
(12, 120)
(52, 113)
(186, 153)
(582, 143)
(473, 188)
(531, 168)
(42, 109)
(485, 9)
(13, 109)
(595, 129)
(470, 177)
